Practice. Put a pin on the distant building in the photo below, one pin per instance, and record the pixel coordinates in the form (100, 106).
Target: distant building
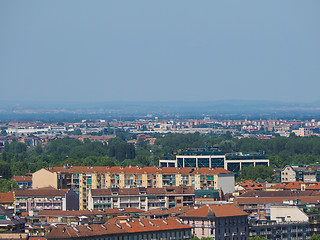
(302, 132)
(214, 158)
(300, 173)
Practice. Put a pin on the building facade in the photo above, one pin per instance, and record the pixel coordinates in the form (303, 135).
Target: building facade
(142, 198)
(223, 221)
(214, 158)
(83, 179)
(300, 173)
(34, 200)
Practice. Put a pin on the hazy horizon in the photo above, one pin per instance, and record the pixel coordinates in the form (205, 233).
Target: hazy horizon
(142, 51)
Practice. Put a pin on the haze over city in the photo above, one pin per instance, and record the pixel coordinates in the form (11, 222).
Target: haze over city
(102, 51)
(184, 120)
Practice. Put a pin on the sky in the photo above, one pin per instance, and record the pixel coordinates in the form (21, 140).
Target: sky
(100, 51)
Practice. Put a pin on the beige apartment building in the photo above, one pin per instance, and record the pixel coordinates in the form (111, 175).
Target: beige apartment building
(82, 179)
(300, 173)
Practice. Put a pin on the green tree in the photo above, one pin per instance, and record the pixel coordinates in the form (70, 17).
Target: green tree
(7, 185)
(315, 237)
(5, 170)
(3, 132)
(259, 172)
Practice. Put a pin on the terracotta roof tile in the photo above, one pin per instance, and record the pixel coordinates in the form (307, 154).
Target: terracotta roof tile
(165, 212)
(111, 211)
(22, 178)
(43, 192)
(253, 200)
(215, 210)
(118, 225)
(6, 197)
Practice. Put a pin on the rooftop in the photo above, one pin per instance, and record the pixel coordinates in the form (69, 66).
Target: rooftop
(118, 225)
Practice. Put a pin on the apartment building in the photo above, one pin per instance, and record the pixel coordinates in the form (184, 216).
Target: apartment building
(258, 204)
(82, 179)
(300, 173)
(125, 228)
(34, 200)
(280, 230)
(7, 200)
(142, 198)
(224, 221)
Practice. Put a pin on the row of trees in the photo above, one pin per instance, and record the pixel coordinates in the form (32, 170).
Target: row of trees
(17, 159)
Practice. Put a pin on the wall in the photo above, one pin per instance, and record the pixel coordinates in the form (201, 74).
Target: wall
(44, 178)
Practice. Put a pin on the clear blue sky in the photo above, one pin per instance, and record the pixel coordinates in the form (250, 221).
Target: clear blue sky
(159, 50)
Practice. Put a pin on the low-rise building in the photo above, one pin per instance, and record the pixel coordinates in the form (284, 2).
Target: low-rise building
(7, 200)
(23, 181)
(280, 230)
(9, 223)
(34, 200)
(142, 198)
(223, 221)
(258, 203)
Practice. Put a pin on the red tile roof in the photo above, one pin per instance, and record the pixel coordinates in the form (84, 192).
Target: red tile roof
(315, 186)
(118, 225)
(174, 211)
(264, 200)
(22, 178)
(111, 211)
(215, 210)
(251, 185)
(41, 192)
(6, 197)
